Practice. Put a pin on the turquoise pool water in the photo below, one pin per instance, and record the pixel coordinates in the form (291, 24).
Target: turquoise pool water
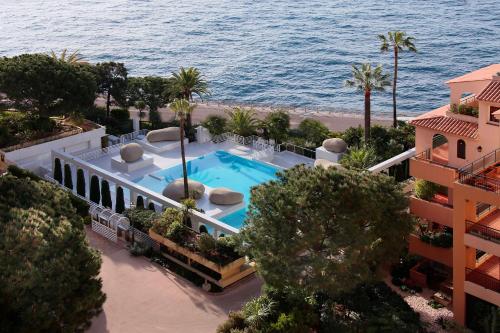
(218, 169)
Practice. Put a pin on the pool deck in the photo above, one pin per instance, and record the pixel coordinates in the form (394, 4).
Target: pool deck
(194, 150)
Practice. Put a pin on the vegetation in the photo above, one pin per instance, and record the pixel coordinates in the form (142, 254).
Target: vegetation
(277, 124)
(482, 316)
(80, 183)
(45, 260)
(182, 109)
(359, 158)
(242, 121)
(216, 125)
(426, 190)
(314, 131)
(95, 193)
(112, 82)
(58, 171)
(465, 109)
(68, 178)
(440, 239)
(140, 202)
(397, 41)
(306, 217)
(106, 194)
(140, 218)
(366, 80)
(71, 58)
(120, 200)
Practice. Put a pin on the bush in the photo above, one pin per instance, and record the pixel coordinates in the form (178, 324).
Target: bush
(313, 131)
(141, 219)
(58, 171)
(216, 125)
(120, 114)
(80, 182)
(120, 200)
(139, 249)
(170, 225)
(82, 206)
(465, 110)
(139, 202)
(95, 193)
(106, 194)
(277, 124)
(439, 239)
(22, 173)
(206, 244)
(353, 136)
(425, 190)
(359, 158)
(68, 177)
(236, 321)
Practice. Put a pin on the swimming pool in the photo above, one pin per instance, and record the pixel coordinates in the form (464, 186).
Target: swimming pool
(218, 169)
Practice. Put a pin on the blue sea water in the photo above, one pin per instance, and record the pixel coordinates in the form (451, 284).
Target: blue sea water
(281, 52)
(218, 169)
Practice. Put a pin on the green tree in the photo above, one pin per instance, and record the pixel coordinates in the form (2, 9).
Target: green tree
(154, 91)
(186, 83)
(366, 79)
(277, 124)
(49, 280)
(95, 193)
(182, 108)
(216, 125)
(140, 202)
(58, 171)
(112, 81)
(120, 200)
(68, 177)
(80, 183)
(359, 158)
(151, 206)
(325, 230)
(71, 58)
(242, 121)
(313, 131)
(397, 41)
(106, 194)
(45, 86)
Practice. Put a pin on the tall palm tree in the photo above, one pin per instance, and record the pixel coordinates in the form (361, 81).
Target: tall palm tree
(188, 82)
(182, 109)
(368, 79)
(73, 58)
(398, 41)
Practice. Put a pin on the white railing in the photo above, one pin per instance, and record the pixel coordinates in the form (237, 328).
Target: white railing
(96, 153)
(126, 138)
(398, 159)
(105, 231)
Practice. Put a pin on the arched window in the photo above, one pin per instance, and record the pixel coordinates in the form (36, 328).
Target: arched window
(461, 149)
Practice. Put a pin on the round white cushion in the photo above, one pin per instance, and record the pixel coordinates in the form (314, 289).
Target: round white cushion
(164, 134)
(335, 145)
(131, 152)
(175, 189)
(225, 196)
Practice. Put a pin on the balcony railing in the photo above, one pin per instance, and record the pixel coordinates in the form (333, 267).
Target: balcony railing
(474, 173)
(483, 231)
(484, 280)
(426, 155)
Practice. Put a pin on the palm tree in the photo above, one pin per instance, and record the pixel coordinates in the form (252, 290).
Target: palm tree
(73, 58)
(242, 121)
(398, 41)
(141, 106)
(189, 82)
(182, 109)
(366, 79)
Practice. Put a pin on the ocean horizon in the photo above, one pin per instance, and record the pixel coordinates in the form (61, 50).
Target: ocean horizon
(282, 53)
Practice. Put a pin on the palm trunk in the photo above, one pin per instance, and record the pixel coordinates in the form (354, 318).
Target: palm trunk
(108, 102)
(183, 154)
(367, 116)
(394, 81)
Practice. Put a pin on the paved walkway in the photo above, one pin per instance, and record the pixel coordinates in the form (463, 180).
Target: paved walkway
(143, 297)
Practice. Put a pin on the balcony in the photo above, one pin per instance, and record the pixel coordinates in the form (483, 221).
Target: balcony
(484, 234)
(435, 210)
(483, 173)
(434, 253)
(484, 281)
(433, 166)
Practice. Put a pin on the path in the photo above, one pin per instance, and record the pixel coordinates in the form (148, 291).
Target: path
(143, 297)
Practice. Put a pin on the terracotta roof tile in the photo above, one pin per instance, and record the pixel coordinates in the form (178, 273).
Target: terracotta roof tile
(448, 125)
(491, 93)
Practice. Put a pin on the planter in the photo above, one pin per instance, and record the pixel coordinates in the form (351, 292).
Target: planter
(464, 117)
(230, 273)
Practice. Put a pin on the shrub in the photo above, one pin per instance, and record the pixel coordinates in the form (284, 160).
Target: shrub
(359, 158)
(313, 131)
(68, 177)
(425, 190)
(95, 193)
(139, 249)
(120, 114)
(170, 225)
(140, 202)
(216, 125)
(277, 124)
(177, 232)
(22, 173)
(236, 321)
(106, 194)
(81, 206)
(353, 136)
(151, 206)
(120, 200)
(203, 229)
(465, 110)
(439, 239)
(242, 121)
(401, 270)
(141, 219)
(58, 171)
(80, 182)
(206, 243)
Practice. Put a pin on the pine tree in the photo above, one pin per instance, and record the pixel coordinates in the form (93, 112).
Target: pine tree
(80, 182)
(120, 201)
(58, 171)
(68, 177)
(140, 202)
(95, 194)
(106, 194)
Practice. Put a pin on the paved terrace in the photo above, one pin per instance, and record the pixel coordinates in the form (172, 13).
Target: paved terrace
(144, 297)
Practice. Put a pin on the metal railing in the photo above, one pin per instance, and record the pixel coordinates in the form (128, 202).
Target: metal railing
(426, 155)
(473, 173)
(483, 231)
(484, 280)
(126, 138)
(286, 146)
(98, 152)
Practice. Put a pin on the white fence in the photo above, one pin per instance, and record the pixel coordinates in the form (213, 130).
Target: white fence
(98, 152)
(104, 231)
(129, 137)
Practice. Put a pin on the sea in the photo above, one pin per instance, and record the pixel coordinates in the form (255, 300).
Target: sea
(294, 53)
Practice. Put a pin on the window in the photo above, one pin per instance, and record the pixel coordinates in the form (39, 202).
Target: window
(492, 117)
(461, 149)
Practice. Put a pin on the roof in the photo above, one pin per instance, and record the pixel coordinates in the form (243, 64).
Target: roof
(448, 125)
(482, 74)
(492, 91)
